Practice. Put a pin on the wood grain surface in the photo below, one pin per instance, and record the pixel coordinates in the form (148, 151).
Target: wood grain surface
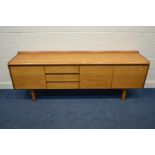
(28, 77)
(78, 58)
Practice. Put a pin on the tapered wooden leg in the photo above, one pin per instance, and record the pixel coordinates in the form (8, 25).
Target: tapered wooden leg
(33, 95)
(123, 96)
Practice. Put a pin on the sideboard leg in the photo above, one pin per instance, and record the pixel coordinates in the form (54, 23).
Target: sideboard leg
(33, 95)
(123, 96)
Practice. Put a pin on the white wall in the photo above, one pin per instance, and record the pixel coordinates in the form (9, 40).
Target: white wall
(13, 39)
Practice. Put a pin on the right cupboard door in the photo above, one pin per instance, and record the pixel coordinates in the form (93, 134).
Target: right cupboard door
(129, 76)
(95, 77)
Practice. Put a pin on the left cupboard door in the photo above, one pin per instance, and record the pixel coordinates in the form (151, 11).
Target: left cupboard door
(28, 77)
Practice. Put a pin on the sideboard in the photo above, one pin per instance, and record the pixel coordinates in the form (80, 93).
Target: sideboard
(78, 70)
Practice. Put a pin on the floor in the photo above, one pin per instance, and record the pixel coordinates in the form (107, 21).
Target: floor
(77, 109)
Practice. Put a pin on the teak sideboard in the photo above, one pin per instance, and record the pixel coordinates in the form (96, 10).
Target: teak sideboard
(78, 70)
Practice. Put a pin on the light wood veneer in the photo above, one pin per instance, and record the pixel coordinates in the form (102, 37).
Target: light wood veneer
(78, 70)
(97, 77)
(28, 77)
(62, 69)
(62, 77)
(63, 85)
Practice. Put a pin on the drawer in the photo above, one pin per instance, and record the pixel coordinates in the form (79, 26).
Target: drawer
(133, 71)
(62, 77)
(63, 85)
(62, 69)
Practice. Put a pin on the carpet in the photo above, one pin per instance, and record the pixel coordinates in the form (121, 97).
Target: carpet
(77, 109)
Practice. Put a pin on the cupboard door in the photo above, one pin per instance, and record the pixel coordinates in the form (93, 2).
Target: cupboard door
(129, 76)
(96, 77)
(28, 77)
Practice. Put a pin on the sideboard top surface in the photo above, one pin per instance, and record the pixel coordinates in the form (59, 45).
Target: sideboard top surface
(78, 58)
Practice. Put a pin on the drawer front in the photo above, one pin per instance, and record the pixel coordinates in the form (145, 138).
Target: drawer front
(62, 69)
(28, 77)
(62, 77)
(130, 71)
(95, 77)
(63, 85)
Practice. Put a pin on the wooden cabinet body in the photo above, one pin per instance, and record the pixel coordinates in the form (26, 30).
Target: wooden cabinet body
(78, 70)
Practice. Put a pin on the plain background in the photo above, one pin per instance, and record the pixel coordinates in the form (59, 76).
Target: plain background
(13, 39)
(77, 13)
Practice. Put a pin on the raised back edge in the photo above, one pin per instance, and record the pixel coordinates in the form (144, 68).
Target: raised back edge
(44, 52)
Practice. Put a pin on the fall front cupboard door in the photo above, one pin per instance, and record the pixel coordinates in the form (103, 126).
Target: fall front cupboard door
(28, 77)
(129, 76)
(97, 77)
